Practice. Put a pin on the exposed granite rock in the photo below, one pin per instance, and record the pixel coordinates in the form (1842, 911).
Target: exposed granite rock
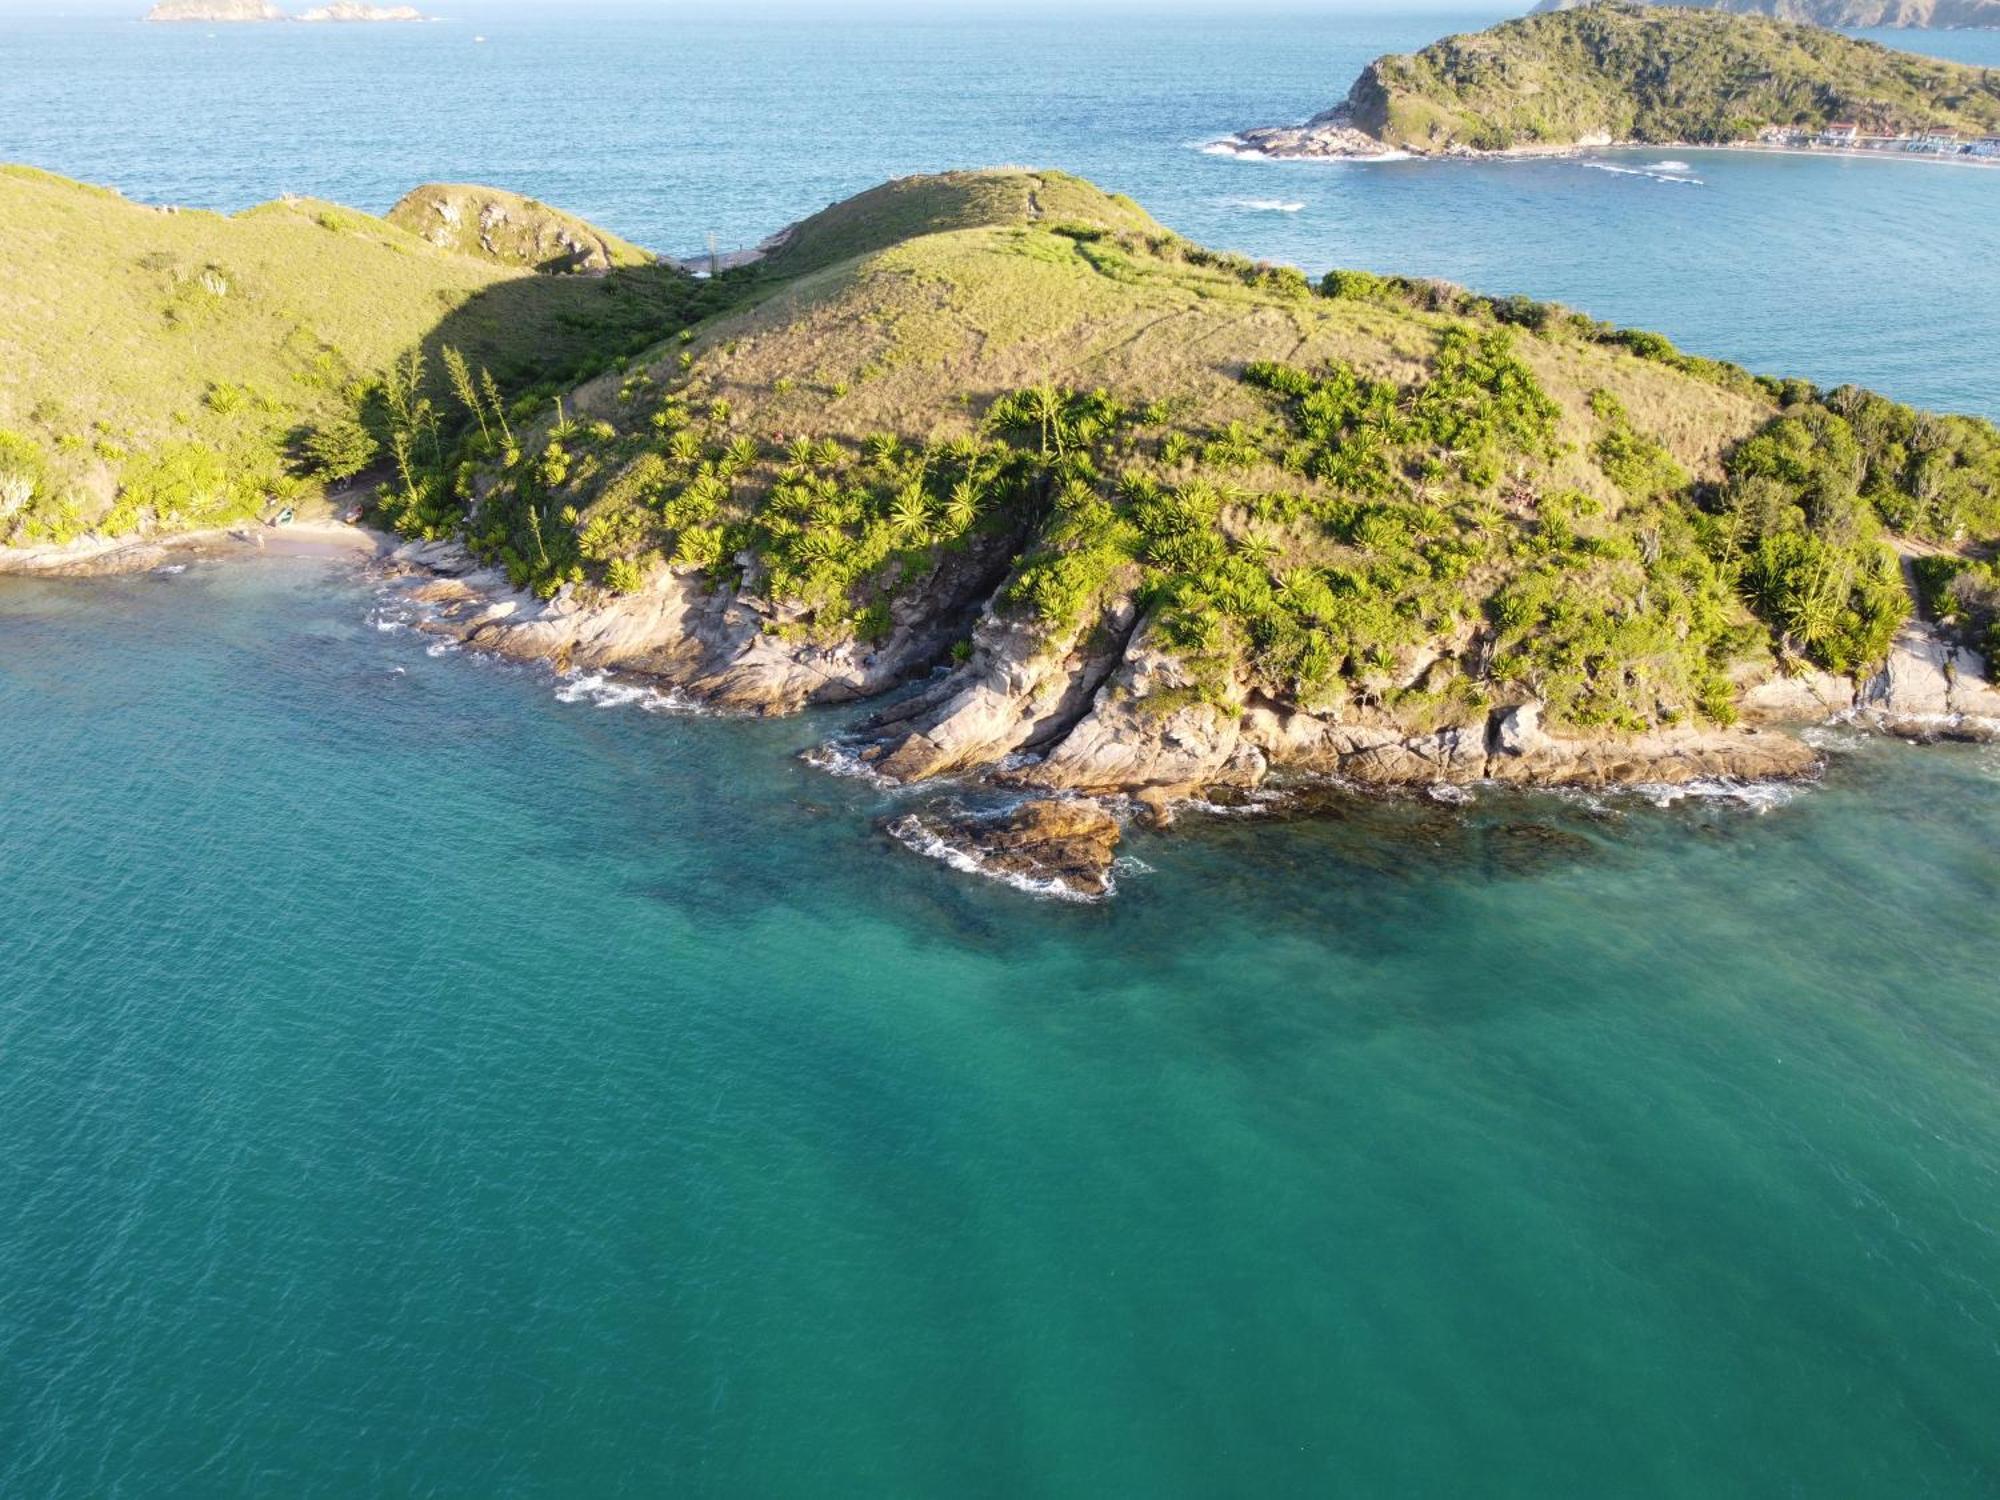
(1931, 689)
(1518, 731)
(1064, 846)
(1102, 707)
(726, 646)
(1329, 135)
(1019, 691)
(1143, 730)
(1803, 695)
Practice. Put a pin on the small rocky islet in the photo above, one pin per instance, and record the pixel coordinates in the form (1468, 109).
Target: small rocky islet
(1104, 520)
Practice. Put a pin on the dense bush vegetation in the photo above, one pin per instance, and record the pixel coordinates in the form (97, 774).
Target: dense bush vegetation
(1394, 524)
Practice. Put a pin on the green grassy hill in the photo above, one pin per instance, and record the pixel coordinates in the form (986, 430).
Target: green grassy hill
(1629, 73)
(1941, 14)
(1370, 491)
(163, 366)
(1377, 487)
(510, 230)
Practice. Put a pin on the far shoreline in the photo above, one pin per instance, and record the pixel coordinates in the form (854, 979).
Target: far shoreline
(1237, 148)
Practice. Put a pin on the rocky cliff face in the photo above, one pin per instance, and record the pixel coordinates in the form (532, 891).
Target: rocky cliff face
(1100, 709)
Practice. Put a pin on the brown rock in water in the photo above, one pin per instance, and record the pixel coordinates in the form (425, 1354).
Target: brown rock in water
(1071, 842)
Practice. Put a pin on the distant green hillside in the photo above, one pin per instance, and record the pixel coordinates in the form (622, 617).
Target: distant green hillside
(1939, 14)
(1619, 72)
(175, 362)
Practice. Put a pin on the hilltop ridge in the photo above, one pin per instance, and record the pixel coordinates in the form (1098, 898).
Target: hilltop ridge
(1895, 14)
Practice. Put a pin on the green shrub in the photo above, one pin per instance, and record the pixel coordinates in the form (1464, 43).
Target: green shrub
(339, 448)
(22, 468)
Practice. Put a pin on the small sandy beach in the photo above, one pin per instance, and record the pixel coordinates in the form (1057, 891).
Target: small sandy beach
(100, 558)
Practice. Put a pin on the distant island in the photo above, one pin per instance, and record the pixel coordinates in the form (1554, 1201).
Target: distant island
(1617, 73)
(232, 12)
(1942, 15)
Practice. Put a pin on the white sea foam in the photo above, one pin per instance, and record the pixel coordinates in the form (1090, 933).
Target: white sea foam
(1834, 738)
(912, 833)
(442, 647)
(1756, 796)
(1663, 172)
(843, 758)
(1236, 150)
(171, 570)
(602, 690)
(1265, 205)
(1255, 805)
(1450, 793)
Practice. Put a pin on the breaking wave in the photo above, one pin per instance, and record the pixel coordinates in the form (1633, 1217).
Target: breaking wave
(1666, 171)
(1236, 150)
(913, 834)
(602, 690)
(1755, 796)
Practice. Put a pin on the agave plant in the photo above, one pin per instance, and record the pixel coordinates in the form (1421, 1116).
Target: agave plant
(910, 514)
(741, 453)
(961, 508)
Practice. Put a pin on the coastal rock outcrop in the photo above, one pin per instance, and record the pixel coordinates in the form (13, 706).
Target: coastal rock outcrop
(1056, 846)
(1932, 689)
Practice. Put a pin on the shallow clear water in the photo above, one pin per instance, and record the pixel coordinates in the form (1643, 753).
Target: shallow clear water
(415, 1084)
(667, 124)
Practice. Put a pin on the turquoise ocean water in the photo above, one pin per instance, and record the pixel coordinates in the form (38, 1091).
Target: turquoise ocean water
(414, 1083)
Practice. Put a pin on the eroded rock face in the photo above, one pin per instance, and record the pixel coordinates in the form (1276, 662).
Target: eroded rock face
(1930, 688)
(1062, 846)
(1143, 731)
(1800, 697)
(727, 647)
(1100, 707)
(1019, 691)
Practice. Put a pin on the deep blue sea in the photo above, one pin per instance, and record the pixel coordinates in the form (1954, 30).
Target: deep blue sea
(419, 1077)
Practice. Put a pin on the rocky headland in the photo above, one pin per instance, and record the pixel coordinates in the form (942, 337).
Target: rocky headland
(1076, 512)
(1614, 73)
